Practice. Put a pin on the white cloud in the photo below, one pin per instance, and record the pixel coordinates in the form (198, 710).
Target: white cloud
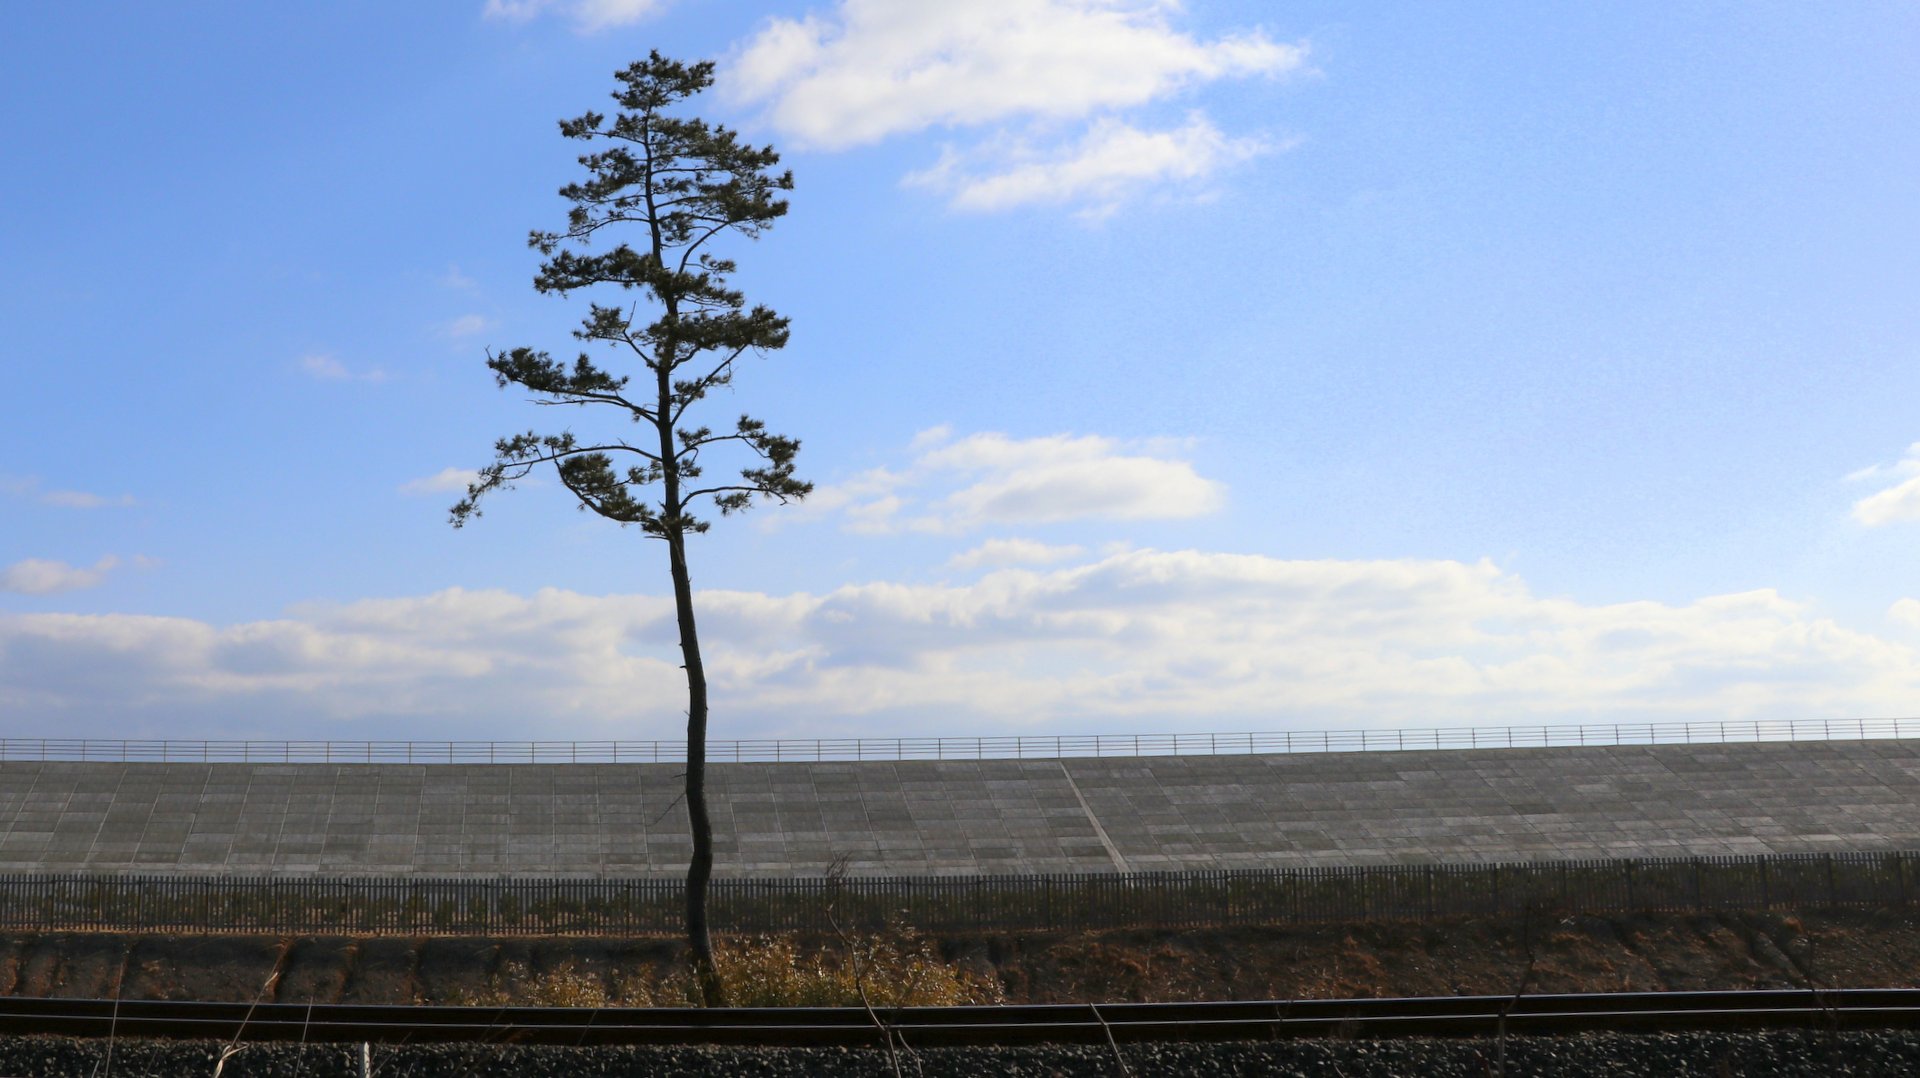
(1003, 552)
(323, 366)
(1112, 162)
(29, 487)
(468, 325)
(482, 663)
(956, 485)
(80, 499)
(455, 279)
(1139, 640)
(1046, 80)
(328, 369)
(589, 16)
(876, 68)
(39, 576)
(1061, 478)
(1905, 612)
(1900, 501)
(440, 482)
(514, 10)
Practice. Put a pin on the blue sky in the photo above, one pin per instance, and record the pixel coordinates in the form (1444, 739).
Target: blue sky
(1162, 367)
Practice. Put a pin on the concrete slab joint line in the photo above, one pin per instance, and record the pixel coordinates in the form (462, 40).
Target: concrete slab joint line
(1119, 862)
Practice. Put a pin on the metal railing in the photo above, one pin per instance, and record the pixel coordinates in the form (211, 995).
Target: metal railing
(954, 748)
(1083, 901)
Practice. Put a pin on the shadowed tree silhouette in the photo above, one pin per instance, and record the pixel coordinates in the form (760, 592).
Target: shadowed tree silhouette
(679, 183)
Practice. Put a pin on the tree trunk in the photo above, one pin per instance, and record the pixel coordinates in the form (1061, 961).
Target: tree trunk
(700, 868)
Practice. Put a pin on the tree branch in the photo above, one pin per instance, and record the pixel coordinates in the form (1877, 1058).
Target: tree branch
(598, 398)
(687, 255)
(695, 445)
(575, 451)
(768, 491)
(705, 383)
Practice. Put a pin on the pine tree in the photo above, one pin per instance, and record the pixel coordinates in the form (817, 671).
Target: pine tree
(680, 183)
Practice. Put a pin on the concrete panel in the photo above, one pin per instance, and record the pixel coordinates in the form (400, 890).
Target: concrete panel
(965, 817)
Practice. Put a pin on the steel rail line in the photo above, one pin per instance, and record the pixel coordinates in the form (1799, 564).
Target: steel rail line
(923, 1027)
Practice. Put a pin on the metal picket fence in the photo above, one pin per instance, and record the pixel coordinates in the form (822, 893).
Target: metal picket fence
(643, 907)
(778, 750)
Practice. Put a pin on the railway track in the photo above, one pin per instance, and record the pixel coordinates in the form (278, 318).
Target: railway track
(958, 1026)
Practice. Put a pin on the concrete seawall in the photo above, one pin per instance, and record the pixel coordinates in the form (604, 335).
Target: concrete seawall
(964, 817)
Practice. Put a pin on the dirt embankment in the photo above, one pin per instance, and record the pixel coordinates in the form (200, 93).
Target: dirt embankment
(1570, 954)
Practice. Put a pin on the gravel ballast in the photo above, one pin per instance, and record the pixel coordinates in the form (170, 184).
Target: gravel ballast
(1710, 1055)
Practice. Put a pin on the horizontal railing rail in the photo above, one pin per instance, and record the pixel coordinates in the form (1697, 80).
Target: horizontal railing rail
(1068, 902)
(953, 748)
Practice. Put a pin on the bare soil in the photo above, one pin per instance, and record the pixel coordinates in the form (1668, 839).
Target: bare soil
(1453, 957)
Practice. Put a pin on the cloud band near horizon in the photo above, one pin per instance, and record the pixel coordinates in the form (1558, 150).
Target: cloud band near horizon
(1138, 640)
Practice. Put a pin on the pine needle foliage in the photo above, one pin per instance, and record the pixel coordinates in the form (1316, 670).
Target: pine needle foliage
(683, 184)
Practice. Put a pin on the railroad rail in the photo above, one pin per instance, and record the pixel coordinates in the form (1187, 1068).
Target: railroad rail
(1047, 746)
(925, 1027)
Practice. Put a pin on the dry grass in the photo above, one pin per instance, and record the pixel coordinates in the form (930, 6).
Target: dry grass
(897, 969)
(516, 986)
